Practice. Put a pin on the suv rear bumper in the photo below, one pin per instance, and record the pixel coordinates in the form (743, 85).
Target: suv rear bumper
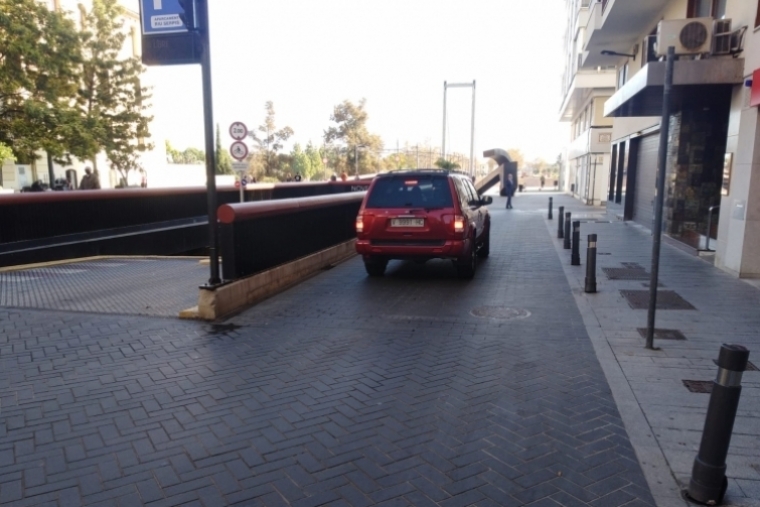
(446, 250)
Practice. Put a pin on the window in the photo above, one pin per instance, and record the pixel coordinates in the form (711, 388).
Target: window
(622, 75)
(416, 191)
(706, 9)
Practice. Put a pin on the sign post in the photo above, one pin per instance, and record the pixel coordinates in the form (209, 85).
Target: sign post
(239, 151)
(177, 32)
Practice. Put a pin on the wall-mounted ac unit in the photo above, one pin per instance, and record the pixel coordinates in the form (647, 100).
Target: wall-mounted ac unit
(688, 36)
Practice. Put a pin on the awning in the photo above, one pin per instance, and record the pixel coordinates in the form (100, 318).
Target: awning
(642, 94)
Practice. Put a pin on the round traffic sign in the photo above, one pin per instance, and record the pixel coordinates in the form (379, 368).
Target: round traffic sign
(238, 150)
(237, 183)
(238, 131)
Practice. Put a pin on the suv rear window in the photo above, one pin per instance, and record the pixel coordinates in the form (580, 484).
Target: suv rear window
(419, 191)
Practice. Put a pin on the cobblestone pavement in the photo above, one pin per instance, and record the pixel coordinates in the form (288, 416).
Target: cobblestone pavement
(414, 389)
(145, 286)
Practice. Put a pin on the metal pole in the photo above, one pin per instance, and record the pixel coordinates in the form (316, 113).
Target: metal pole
(51, 173)
(568, 232)
(708, 476)
(356, 163)
(590, 285)
(550, 208)
(472, 132)
(443, 141)
(575, 256)
(560, 225)
(659, 198)
(208, 120)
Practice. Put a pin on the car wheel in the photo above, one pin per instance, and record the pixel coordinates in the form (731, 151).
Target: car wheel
(466, 266)
(485, 246)
(375, 267)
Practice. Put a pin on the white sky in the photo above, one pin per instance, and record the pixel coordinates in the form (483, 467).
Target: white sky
(309, 55)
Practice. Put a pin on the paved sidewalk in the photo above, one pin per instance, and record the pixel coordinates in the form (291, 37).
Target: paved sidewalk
(663, 418)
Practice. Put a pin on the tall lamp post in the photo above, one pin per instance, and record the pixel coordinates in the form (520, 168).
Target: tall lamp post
(356, 157)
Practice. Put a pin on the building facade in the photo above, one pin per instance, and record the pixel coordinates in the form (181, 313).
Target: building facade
(712, 191)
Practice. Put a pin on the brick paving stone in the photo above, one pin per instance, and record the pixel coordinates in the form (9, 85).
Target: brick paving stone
(344, 390)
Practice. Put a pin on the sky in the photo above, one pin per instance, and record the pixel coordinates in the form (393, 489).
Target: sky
(309, 55)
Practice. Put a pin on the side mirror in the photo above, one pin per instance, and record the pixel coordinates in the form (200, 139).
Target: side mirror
(486, 200)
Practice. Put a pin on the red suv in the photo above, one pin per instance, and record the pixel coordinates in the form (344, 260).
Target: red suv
(421, 215)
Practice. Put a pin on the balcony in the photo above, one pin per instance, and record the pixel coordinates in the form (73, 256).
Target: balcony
(617, 25)
(642, 94)
(593, 140)
(584, 83)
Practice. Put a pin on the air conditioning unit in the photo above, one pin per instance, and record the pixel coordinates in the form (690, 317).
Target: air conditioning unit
(721, 44)
(688, 36)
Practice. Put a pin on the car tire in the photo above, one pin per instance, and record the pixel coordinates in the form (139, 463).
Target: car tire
(485, 246)
(375, 267)
(467, 265)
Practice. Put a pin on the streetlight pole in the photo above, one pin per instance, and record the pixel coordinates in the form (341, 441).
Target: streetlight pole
(446, 86)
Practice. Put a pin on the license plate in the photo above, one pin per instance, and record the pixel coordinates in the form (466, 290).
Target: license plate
(407, 222)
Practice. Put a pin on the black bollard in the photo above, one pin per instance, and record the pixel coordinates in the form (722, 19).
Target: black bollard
(568, 236)
(575, 256)
(560, 225)
(708, 476)
(591, 264)
(550, 208)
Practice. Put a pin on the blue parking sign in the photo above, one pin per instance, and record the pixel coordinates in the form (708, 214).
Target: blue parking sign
(161, 16)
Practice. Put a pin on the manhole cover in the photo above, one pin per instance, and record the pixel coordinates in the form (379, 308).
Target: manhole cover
(626, 273)
(500, 312)
(663, 334)
(666, 300)
(698, 386)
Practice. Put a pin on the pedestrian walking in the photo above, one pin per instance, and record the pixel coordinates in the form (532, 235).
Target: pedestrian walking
(90, 181)
(509, 190)
(543, 181)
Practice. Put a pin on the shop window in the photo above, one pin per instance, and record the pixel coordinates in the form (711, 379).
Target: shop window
(706, 9)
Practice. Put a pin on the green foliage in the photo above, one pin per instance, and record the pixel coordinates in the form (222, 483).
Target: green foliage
(188, 156)
(6, 153)
(112, 99)
(446, 164)
(301, 161)
(355, 143)
(269, 141)
(316, 166)
(223, 158)
(39, 51)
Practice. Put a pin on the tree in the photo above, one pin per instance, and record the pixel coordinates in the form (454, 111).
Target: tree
(269, 140)
(112, 99)
(301, 162)
(223, 158)
(517, 156)
(352, 137)
(446, 164)
(316, 166)
(172, 153)
(39, 51)
(6, 153)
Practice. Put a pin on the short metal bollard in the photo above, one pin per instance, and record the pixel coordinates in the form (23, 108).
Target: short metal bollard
(568, 236)
(575, 256)
(708, 476)
(591, 265)
(560, 225)
(550, 208)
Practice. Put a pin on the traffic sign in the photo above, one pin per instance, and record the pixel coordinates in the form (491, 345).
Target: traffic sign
(237, 183)
(161, 16)
(238, 131)
(238, 150)
(240, 167)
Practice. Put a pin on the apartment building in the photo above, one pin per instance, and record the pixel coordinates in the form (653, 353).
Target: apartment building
(712, 194)
(586, 86)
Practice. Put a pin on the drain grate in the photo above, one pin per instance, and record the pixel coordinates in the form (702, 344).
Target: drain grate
(662, 334)
(634, 272)
(699, 386)
(666, 300)
(500, 312)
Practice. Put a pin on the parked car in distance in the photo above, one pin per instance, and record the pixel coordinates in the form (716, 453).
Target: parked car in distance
(423, 214)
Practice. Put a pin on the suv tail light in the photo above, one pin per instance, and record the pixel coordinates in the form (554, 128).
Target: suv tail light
(458, 223)
(359, 224)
